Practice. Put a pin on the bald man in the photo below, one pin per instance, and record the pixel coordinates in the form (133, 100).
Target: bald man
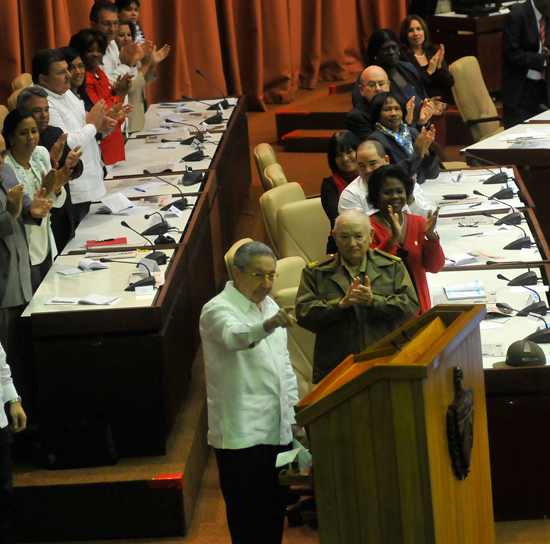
(371, 156)
(373, 81)
(353, 298)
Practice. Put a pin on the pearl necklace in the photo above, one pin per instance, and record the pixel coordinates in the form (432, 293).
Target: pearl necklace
(419, 56)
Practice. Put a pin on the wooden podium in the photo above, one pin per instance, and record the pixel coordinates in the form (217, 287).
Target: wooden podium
(377, 426)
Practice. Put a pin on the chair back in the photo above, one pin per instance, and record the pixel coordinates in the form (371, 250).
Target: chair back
(264, 156)
(271, 201)
(302, 228)
(22, 81)
(472, 97)
(3, 112)
(228, 257)
(12, 99)
(300, 344)
(275, 175)
(289, 270)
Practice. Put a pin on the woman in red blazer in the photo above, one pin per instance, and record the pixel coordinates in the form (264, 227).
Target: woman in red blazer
(408, 236)
(92, 44)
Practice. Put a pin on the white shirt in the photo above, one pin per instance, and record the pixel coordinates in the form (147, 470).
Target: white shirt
(112, 66)
(251, 386)
(67, 112)
(354, 197)
(7, 391)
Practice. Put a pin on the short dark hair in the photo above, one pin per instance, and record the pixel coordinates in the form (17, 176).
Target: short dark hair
(377, 40)
(340, 141)
(86, 38)
(380, 175)
(404, 32)
(378, 102)
(42, 63)
(122, 4)
(103, 5)
(70, 53)
(25, 95)
(11, 121)
(131, 26)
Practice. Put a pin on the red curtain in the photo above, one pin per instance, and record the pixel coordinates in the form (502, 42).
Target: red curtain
(265, 49)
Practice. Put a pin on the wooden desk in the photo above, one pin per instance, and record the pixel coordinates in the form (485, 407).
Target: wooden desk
(135, 362)
(480, 37)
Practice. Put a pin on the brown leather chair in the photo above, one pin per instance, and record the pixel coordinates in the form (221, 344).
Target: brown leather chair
(271, 201)
(302, 228)
(264, 156)
(472, 98)
(275, 175)
(21, 82)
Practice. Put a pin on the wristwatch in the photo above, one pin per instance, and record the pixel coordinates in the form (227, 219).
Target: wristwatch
(15, 399)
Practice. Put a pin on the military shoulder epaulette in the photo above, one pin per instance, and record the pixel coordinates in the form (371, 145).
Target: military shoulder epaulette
(387, 255)
(325, 259)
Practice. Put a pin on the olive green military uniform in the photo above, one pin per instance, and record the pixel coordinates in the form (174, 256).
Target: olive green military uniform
(341, 332)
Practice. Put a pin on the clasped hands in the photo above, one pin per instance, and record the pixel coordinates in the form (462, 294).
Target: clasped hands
(358, 294)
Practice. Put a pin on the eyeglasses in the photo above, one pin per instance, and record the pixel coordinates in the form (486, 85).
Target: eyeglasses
(468, 225)
(267, 277)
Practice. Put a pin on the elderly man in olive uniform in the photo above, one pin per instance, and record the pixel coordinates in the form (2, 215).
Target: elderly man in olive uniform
(354, 298)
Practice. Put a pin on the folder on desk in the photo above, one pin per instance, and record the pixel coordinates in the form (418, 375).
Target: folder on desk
(108, 242)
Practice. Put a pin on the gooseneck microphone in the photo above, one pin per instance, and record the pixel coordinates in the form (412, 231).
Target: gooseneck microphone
(541, 336)
(503, 194)
(150, 280)
(161, 227)
(188, 141)
(513, 218)
(215, 119)
(224, 103)
(538, 307)
(124, 224)
(501, 177)
(180, 204)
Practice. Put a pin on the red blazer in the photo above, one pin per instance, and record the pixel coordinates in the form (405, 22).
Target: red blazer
(112, 145)
(424, 255)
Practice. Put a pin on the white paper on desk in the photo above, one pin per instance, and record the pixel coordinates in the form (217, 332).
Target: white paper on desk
(170, 104)
(91, 264)
(163, 129)
(493, 232)
(70, 271)
(73, 301)
(170, 145)
(159, 168)
(117, 202)
(528, 250)
(487, 325)
(164, 113)
(528, 135)
(452, 180)
(98, 300)
(521, 289)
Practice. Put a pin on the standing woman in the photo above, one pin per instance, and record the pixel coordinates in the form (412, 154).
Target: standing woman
(78, 76)
(342, 162)
(429, 61)
(91, 45)
(408, 236)
(32, 166)
(129, 11)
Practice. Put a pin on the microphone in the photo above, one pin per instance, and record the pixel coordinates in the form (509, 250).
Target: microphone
(541, 336)
(501, 177)
(503, 194)
(140, 283)
(215, 119)
(513, 218)
(188, 141)
(180, 204)
(538, 307)
(224, 103)
(124, 224)
(190, 177)
(158, 228)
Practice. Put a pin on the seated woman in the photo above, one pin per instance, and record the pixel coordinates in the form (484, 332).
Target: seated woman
(429, 61)
(91, 45)
(404, 145)
(408, 236)
(343, 164)
(147, 73)
(32, 166)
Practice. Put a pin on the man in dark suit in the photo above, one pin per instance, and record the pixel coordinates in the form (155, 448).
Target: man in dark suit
(373, 81)
(35, 100)
(524, 82)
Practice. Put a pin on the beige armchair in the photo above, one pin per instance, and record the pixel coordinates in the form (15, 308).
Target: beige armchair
(476, 106)
(3, 113)
(271, 201)
(228, 257)
(264, 156)
(302, 228)
(275, 175)
(22, 81)
(12, 99)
